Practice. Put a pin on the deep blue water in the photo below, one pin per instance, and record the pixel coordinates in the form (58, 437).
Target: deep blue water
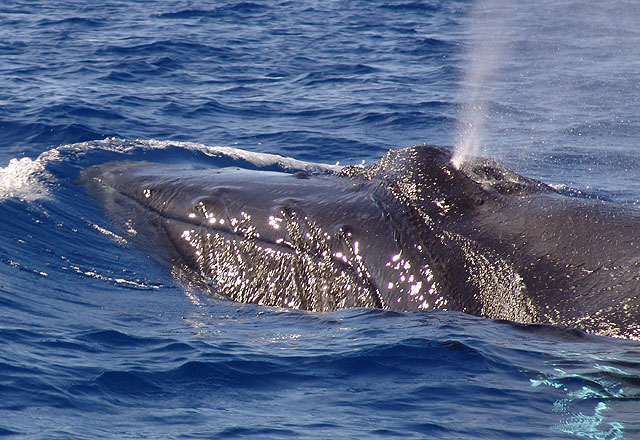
(98, 341)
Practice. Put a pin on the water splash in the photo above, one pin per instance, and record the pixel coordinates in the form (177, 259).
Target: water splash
(489, 22)
(25, 178)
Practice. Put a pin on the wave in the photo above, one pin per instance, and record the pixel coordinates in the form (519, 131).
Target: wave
(25, 178)
(32, 179)
(241, 9)
(443, 367)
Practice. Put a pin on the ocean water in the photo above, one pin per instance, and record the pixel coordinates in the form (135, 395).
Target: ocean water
(99, 341)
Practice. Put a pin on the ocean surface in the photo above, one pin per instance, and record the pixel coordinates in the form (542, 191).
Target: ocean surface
(99, 341)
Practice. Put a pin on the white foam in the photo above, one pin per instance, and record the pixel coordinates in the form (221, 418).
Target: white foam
(115, 237)
(267, 159)
(24, 179)
(27, 179)
(257, 159)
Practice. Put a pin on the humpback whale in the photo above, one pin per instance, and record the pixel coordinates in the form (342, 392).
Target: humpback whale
(410, 232)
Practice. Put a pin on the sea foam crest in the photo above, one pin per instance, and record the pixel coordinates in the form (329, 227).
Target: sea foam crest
(28, 179)
(25, 178)
(261, 160)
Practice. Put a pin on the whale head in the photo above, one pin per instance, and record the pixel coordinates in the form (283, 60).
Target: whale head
(413, 231)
